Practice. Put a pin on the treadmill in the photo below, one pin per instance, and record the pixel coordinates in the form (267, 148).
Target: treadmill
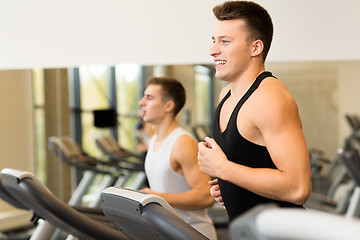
(134, 162)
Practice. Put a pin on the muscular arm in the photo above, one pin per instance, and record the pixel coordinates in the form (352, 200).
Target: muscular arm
(184, 156)
(280, 128)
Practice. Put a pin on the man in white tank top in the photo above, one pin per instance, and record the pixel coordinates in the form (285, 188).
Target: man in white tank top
(171, 161)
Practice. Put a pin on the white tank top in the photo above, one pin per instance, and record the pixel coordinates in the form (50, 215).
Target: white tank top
(163, 179)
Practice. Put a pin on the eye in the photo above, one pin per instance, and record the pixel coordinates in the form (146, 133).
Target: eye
(225, 41)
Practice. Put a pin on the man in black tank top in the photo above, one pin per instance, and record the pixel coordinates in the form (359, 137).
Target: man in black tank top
(258, 154)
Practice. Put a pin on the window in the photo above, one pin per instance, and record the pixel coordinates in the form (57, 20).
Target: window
(204, 97)
(94, 95)
(99, 87)
(39, 123)
(128, 86)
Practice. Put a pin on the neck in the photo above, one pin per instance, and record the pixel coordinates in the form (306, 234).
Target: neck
(164, 129)
(243, 82)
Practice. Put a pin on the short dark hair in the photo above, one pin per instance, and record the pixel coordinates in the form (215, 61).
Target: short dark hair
(171, 89)
(257, 19)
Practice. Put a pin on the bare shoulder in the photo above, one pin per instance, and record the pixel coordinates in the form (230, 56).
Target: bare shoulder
(275, 100)
(185, 141)
(185, 148)
(273, 90)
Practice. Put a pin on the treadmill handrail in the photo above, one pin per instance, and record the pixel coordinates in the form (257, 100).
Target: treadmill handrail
(6, 196)
(46, 205)
(20, 175)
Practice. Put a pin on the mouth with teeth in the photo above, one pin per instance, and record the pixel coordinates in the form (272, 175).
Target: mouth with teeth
(219, 63)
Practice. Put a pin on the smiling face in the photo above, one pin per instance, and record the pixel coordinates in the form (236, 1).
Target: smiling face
(153, 107)
(231, 49)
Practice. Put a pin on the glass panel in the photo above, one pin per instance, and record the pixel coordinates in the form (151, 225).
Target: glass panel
(38, 87)
(93, 90)
(40, 144)
(94, 95)
(127, 85)
(202, 97)
(39, 124)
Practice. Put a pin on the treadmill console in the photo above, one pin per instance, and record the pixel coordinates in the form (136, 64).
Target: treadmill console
(64, 146)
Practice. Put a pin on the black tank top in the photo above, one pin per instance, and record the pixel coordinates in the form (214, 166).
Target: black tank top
(237, 200)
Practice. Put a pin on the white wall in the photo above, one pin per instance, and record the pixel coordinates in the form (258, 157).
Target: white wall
(348, 95)
(16, 134)
(61, 33)
(16, 121)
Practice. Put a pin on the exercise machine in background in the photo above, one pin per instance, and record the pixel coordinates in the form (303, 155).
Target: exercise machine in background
(111, 173)
(201, 131)
(332, 189)
(109, 146)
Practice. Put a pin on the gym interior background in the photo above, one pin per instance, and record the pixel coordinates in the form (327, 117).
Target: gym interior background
(62, 60)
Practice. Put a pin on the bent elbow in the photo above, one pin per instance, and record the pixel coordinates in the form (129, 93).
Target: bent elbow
(209, 202)
(302, 194)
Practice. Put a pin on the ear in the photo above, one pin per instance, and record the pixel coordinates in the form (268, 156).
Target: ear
(169, 106)
(257, 48)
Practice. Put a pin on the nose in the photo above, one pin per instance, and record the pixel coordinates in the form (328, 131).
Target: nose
(142, 101)
(214, 50)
